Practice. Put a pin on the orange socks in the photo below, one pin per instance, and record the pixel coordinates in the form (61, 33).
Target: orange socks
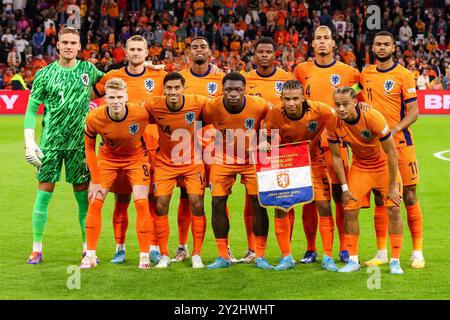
(222, 245)
(310, 221)
(144, 227)
(120, 221)
(326, 227)
(381, 221)
(198, 230)
(184, 220)
(282, 231)
(415, 224)
(162, 233)
(291, 215)
(152, 209)
(260, 246)
(93, 223)
(340, 224)
(248, 219)
(351, 242)
(396, 245)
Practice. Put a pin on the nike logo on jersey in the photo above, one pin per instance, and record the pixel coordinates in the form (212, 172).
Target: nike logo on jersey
(252, 87)
(306, 78)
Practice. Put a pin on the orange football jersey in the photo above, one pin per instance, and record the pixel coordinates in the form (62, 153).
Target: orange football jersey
(208, 84)
(267, 87)
(140, 86)
(121, 139)
(227, 124)
(308, 127)
(388, 91)
(168, 121)
(363, 135)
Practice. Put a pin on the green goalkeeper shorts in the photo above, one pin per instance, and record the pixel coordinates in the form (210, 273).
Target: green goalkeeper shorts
(74, 162)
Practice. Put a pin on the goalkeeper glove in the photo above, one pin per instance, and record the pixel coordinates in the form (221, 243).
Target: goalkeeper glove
(33, 154)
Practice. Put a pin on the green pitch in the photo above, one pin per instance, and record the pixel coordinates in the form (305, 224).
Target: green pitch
(62, 244)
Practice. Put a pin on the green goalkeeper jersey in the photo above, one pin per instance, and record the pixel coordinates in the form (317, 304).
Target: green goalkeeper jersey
(65, 93)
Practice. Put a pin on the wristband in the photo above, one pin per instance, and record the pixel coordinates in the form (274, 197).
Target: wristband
(344, 187)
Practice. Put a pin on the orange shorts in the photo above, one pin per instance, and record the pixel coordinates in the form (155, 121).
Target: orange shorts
(408, 166)
(133, 172)
(223, 176)
(192, 177)
(321, 182)
(329, 162)
(361, 183)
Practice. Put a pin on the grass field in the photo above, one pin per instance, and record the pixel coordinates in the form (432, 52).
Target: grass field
(62, 243)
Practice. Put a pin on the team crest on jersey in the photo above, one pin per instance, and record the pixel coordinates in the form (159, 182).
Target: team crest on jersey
(212, 88)
(312, 126)
(149, 84)
(366, 134)
(85, 79)
(133, 128)
(249, 123)
(189, 117)
(335, 79)
(279, 86)
(389, 85)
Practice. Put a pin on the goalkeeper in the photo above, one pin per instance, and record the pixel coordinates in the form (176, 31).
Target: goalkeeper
(64, 87)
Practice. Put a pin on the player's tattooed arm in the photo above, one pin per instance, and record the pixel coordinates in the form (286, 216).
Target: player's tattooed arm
(339, 170)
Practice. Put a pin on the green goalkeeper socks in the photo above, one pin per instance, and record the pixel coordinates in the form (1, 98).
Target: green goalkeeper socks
(83, 203)
(40, 212)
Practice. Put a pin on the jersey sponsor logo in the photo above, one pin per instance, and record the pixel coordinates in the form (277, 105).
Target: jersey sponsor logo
(283, 180)
(249, 123)
(335, 79)
(133, 128)
(312, 126)
(149, 84)
(85, 79)
(189, 117)
(279, 86)
(366, 134)
(388, 85)
(212, 87)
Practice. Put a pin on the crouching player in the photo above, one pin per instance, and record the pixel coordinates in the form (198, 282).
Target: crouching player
(295, 120)
(374, 167)
(120, 124)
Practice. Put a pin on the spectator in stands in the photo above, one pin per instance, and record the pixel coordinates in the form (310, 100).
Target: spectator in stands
(38, 42)
(423, 81)
(405, 34)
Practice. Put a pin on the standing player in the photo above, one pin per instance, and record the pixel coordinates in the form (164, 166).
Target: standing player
(142, 83)
(295, 120)
(391, 89)
(121, 125)
(64, 87)
(320, 77)
(236, 118)
(177, 116)
(369, 136)
(200, 79)
(266, 82)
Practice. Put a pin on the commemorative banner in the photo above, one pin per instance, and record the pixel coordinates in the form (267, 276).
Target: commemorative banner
(284, 177)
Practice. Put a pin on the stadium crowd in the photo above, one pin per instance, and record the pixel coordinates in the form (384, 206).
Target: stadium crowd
(28, 32)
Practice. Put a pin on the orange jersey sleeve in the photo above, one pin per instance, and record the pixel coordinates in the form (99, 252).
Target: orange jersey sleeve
(208, 84)
(140, 86)
(177, 127)
(236, 129)
(319, 82)
(388, 91)
(121, 140)
(363, 135)
(267, 87)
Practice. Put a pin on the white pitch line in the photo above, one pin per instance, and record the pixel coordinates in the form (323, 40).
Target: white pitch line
(440, 156)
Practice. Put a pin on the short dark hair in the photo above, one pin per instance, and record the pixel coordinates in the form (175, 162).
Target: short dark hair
(263, 40)
(292, 85)
(234, 76)
(200, 38)
(174, 76)
(322, 27)
(384, 33)
(345, 90)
